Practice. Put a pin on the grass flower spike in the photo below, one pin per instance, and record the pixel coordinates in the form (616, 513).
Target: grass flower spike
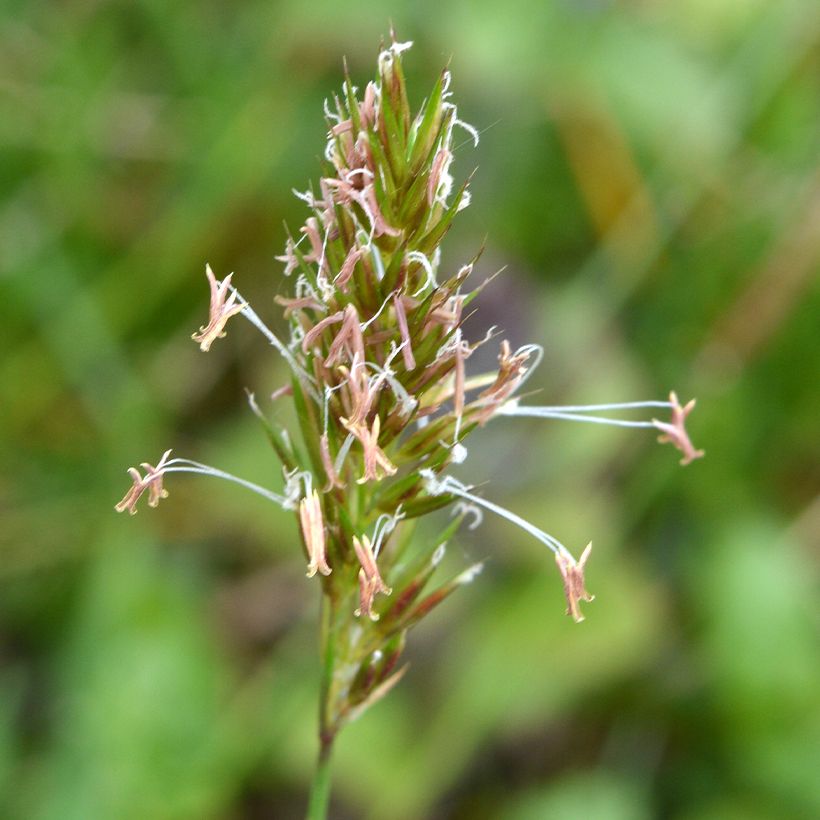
(381, 383)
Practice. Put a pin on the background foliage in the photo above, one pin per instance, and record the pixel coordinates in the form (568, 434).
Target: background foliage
(648, 171)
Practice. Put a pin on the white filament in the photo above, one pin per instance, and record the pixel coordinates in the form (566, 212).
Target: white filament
(343, 451)
(385, 524)
(465, 508)
(580, 413)
(418, 256)
(186, 465)
(250, 314)
(448, 484)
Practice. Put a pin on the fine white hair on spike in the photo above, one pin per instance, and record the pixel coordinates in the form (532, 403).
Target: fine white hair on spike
(470, 129)
(294, 480)
(394, 351)
(304, 289)
(418, 256)
(488, 335)
(398, 48)
(415, 125)
(465, 508)
(363, 237)
(378, 527)
(362, 203)
(457, 430)
(385, 59)
(452, 109)
(445, 185)
(305, 196)
(466, 198)
(385, 524)
(383, 178)
(377, 94)
(407, 403)
(328, 392)
(375, 316)
(445, 86)
(469, 574)
(458, 452)
(325, 287)
(438, 554)
(343, 451)
(449, 347)
(378, 264)
(257, 411)
(364, 172)
(328, 113)
(297, 333)
(330, 148)
(529, 349)
(464, 271)
(432, 483)
(355, 633)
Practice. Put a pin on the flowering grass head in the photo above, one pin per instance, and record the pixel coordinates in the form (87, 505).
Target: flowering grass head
(379, 376)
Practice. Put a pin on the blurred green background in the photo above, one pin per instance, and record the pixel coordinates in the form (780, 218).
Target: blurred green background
(648, 171)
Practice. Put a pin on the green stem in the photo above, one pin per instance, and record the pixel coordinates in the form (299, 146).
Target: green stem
(320, 790)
